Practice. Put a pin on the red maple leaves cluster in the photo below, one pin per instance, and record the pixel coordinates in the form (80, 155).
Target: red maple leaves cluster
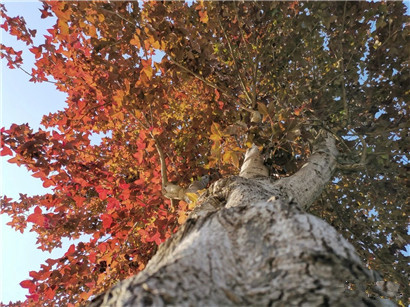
(98, 154)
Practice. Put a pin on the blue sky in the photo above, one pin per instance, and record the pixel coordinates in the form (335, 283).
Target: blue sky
(22, 102)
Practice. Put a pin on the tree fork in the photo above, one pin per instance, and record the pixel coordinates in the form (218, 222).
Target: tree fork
(249, 242)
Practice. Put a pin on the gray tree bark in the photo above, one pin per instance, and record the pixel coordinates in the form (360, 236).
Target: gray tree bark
(249, 242)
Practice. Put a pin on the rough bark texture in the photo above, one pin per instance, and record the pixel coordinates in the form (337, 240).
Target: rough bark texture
(249, 242)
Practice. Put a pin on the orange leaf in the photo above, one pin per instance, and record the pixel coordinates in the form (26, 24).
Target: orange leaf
(146, 63)
(217, 95)
(36, 51)
(85, 295)
(139, 155)
(203, 16)
(63, 26)
(47, 183)
(135, 41)
(39, 175)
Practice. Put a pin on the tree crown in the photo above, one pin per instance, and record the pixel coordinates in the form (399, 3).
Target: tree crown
(180, 91)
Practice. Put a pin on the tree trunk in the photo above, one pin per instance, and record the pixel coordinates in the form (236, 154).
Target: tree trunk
(250, 242)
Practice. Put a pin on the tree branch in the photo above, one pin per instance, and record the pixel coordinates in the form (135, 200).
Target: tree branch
(253, 166)
(26, 72)
(214, 86)
(363, 157)
(241, 81)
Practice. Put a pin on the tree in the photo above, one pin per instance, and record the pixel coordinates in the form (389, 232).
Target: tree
(314, 93)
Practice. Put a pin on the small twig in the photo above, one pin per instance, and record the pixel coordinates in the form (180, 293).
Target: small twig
(322, 125)
(364, 150)
(357, 166)
(241, 81)
(342, 67)
(242, 35)
(132, 23)
(25, 71)
(214, 86)
(248, 53)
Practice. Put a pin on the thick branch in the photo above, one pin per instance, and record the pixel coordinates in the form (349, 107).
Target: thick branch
(308, 183)
(248, 255)
(363, 159)
(253, 166)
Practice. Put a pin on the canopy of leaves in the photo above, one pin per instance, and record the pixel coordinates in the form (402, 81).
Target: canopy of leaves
(204, 81)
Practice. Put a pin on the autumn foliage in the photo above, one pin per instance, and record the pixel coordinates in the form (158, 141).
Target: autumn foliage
(204, 81)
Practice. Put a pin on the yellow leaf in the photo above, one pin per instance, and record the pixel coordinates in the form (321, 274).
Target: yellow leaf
(156, 45)
(63, 26)
(148, 71)
(215, 137)
(119, 115)
(135, 41)
(248, 144)
(193, 197)
(226, 157)
(118, 98)
(235, 159)
(216, 129)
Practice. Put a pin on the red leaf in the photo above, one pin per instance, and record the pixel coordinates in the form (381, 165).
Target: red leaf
(49, 293)
(51, 262)
(103, 247)
(35, 297)
(6, 152)
(102, 193)
(37, 217)
(70, 251)
(45, 13)
(113, 203)
(92, 257)
(79, 200)
(28, 284)
(107, 220)
(35, 275)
